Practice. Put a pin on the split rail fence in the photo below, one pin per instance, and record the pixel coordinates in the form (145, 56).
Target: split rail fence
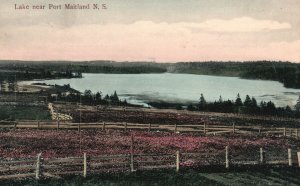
(207, 129)
(39, 167)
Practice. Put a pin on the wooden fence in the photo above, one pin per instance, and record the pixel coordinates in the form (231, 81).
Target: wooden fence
(56, 167)
(207, 129)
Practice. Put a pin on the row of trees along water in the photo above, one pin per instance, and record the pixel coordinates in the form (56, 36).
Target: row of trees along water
(248, 106)
(88, 98)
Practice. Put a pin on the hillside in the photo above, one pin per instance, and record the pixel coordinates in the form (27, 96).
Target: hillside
(284, 72)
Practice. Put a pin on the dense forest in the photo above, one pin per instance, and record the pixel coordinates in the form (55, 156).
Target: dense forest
(284, 72)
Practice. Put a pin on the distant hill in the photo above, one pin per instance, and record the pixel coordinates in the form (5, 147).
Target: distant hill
(284, 72)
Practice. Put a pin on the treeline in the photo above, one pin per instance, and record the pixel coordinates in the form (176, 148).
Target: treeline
(121, 70)
(247, 106)
(67, 94)
(42, 74)
(85, 66)
(284, 72)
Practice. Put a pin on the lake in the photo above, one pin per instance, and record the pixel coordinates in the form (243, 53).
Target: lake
(141, 88)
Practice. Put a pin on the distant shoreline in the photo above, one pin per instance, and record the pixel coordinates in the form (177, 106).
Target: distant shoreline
(286, 73)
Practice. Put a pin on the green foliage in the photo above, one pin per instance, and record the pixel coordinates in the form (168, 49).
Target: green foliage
(179, 107)
(249, 107)
(284, 72)
(297, 106)
(114, 98)
(238, 101)
(191, 107)
(202, 103)
(248, 101)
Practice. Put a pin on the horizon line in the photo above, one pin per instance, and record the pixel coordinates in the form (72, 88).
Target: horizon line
(141, 61)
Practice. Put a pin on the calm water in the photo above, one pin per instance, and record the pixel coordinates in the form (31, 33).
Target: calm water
(140, 88)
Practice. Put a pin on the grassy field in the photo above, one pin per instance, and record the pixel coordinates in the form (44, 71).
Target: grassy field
(24, 113)
(270, 176)
(27, 143)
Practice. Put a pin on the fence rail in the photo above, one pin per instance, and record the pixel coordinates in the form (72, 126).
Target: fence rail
(85, 165)
(209, 129)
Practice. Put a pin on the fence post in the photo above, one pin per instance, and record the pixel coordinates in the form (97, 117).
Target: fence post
(149, 129)
(84, 165)
(226, 157)
(290, 157)
(79, 127)
(233, 128)
(103, 126)
(15, 124)
(125, 127)
(284, 131)
(131, 154)
(262, 156)
(175, 128)
(296, 134)
(204, 128)
(177, 161)
(298, 154)
(38, 124)
(38, 171)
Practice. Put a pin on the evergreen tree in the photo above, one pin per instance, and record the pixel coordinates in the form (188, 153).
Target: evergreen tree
(98, 97)
(288, 109)
(253, 102)
(202, 103)
(88, 93)
(297, 106)
(220, 99)
(247, 102)
(114, 98)
(238, 101)
(271, 108)
(88, 96)
(106, 97)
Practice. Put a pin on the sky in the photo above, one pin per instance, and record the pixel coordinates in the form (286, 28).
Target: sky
(152, 30)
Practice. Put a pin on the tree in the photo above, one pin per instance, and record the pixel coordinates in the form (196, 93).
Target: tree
(106, 97)
(253, 102)
(238, 101)
(88, 96)
(271, 108)
(202, 103)
(288, 109)
(98, 97)
(220, 99)
(297, 106)
(247, 102)
(190, 107)
(87, 93)
(114, 98)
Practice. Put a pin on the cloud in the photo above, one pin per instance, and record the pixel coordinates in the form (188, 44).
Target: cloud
(242, 24)
(146, 39)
